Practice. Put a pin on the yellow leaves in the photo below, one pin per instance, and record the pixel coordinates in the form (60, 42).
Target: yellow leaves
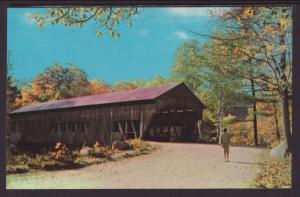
(98, 87)
(274, 173)
(248, 12)
(269, 48)
(137, 143)
(26, 97)
(284, 23)
(100, 151)
(97, 147)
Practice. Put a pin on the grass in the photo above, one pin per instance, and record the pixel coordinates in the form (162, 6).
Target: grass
(274, 173)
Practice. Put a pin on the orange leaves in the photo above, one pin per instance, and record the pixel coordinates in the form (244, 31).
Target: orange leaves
(97, 147)
(98, 87)
(242, 132)
(268, 28)
(58, 82)
(61, 152)
(100, 151)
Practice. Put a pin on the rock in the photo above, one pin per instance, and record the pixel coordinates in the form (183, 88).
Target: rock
(120, 145)
(213, 140)
(85, 151)
(279, 151)
(203, 139)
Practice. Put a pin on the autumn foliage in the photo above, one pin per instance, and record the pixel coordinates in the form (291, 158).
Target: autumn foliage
(61, 152)
(242, 131)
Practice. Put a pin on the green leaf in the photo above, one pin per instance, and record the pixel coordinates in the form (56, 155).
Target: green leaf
(99, 33)
(129, 23)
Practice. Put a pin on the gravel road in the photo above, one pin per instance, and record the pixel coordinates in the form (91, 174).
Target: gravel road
(174, 165)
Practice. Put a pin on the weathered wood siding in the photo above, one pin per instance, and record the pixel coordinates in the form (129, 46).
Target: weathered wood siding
(37, 127)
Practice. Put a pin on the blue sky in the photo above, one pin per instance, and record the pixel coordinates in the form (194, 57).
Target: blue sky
(143, 51)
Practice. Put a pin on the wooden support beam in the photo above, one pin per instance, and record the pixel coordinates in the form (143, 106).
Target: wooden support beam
(85, 127)
(141, 125)
(199, 126)
(133, 128)
(67, 127)
(120, 129)
(176, 132)
(58, 128)
(76, 127)
(126, 130)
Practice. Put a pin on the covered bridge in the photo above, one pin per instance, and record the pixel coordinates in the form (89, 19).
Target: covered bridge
(168, 112)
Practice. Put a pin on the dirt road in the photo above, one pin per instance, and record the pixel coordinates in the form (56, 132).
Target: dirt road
(174, 165)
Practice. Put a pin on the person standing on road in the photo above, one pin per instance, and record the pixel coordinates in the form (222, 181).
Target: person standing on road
(225, 141)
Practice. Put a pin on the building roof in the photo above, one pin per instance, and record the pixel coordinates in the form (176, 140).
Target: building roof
(139, 94)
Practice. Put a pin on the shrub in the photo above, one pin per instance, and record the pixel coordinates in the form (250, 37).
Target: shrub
(100, 151)
(274, 173)
(136, 143)
(19, 168)
(62, 153)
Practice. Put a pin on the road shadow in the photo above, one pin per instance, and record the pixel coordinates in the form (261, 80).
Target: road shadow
(246, 162)
(248, 146)
(207, 144)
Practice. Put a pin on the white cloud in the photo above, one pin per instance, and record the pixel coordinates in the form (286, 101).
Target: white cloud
(188, 11)
(194, 11)
(181, 35)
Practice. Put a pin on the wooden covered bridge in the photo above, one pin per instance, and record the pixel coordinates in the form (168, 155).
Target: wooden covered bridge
(168, 112)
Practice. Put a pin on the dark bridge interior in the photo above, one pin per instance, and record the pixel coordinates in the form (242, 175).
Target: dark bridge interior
(174, 125)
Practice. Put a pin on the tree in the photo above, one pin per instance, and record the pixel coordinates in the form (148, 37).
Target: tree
(12, 91)
(188, 64)
(98, 87)
(123, 86)
(104, 16)
(55, 83)
(140, 83)
(268, 32)
(220, 90)
(197, 66)
(157, 81)
(225, 60)
(266, 36)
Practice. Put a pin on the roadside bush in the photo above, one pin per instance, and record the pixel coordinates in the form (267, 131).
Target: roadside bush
(274, 173)
(60, 158)
(19, 168)
(62, 153)
(136, 143)
(64, 158)
(99, 151)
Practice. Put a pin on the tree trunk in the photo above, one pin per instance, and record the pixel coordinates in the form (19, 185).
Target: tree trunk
(276, 121)
(220, 124)
(255, 140)
(285, 100)
(286, 120)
